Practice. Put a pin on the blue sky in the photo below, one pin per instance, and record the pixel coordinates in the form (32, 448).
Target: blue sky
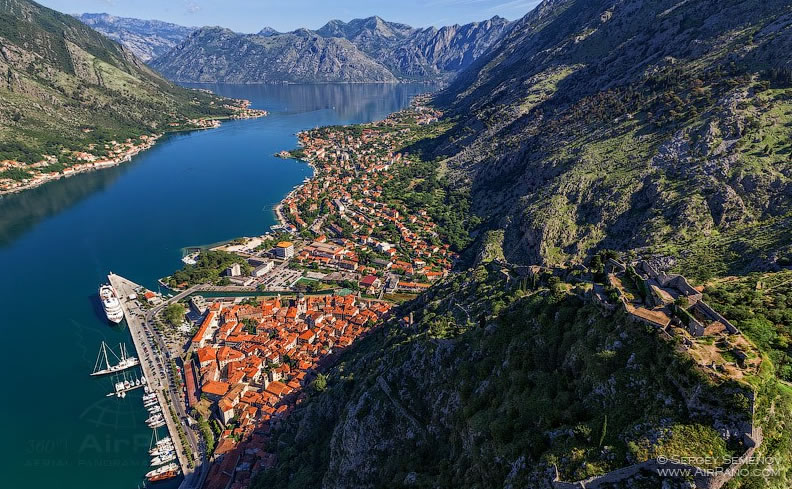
(284, 15)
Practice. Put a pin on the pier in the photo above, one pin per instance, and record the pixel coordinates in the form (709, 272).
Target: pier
(155, 369)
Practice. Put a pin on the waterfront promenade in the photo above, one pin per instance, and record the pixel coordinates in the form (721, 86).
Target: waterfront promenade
(157, 370)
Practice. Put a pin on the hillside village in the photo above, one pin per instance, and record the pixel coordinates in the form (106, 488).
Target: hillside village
(338, 230)
(252, 362)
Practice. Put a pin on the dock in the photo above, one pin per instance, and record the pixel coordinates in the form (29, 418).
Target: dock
(153, 365)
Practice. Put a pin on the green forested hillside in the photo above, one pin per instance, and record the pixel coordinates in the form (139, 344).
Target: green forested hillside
(503, 379)
(65, 86)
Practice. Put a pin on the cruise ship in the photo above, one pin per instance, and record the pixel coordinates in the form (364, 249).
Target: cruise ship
(111, 304)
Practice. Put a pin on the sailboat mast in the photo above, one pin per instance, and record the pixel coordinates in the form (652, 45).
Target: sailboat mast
(98, 359)
(104, 350)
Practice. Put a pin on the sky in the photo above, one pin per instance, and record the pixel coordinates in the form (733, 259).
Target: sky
(287, 15)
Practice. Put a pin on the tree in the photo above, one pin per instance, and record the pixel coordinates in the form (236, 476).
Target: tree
(174, 314)
(320, 383)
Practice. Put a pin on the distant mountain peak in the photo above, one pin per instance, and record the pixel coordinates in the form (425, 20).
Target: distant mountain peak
(268, 31)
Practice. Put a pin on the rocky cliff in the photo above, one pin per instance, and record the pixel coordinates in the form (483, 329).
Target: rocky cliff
(147, 39)
(420, 53)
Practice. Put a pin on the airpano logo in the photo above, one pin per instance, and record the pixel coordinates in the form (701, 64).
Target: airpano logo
(709, 466)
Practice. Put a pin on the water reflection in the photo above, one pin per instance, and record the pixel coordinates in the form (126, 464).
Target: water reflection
(19, 212)
(351, 101)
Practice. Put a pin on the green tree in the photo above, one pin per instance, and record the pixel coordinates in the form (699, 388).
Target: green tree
(174, 314)
(319, 384)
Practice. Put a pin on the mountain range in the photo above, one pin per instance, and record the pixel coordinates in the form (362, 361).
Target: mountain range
(629, 126)
(362, 50)
(214, 54)
(147, 39)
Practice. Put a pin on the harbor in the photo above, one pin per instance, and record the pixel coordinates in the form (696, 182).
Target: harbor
(170, 415)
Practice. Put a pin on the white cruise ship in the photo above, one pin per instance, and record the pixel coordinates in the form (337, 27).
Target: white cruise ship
(111, 304)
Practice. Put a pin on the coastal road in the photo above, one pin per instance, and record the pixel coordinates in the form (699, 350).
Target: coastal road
(195, 479)
(158, 372)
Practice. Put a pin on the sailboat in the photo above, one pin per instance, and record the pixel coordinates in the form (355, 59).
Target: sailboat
(159, 447)
(123, 386)
(103, 366)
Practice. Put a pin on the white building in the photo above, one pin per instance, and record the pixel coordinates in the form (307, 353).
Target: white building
(234, 270)
(263, 269)
(284, 249)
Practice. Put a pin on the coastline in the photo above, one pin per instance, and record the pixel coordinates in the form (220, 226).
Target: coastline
(79, 168)
(279, 218)
(125, 157)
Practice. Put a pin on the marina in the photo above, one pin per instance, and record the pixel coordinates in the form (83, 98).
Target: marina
(127, 385)
(162, 414)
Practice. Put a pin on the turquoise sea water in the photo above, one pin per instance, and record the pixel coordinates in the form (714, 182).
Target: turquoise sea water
(59, 241)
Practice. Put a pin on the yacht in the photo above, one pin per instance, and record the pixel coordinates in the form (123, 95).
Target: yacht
(163, 459)
(111, 304)
(163, 470)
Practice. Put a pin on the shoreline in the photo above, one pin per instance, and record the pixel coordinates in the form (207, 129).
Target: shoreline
(278, 209)
(126, 157)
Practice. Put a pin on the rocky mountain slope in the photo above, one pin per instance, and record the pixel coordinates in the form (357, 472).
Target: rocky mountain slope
(631, 124)
(214, 54)
(658, 128)
(64, 86)
(362, 50)
(268, 31)
(419, 53)
(147, 39)
(502, 381)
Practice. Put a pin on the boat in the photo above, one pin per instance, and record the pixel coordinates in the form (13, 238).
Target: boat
(169, 474)
(103, 366)
(111, 304)
(161, 450)
(163, 459)
(154, 418)
(161, 471)
(155, 409)
(159, 447)
(160, 424)
(122, 387)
